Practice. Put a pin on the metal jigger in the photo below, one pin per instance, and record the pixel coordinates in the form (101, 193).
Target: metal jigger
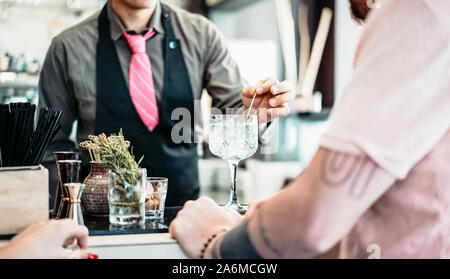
(68, 171)
(61, 155)
(74, 191)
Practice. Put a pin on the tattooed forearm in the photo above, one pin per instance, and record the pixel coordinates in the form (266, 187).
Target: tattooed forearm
(339, 169)
(263, 234)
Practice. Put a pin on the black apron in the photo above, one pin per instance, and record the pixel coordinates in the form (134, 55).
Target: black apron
(115, 110)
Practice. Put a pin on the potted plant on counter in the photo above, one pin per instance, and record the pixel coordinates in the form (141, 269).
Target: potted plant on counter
(126, 181)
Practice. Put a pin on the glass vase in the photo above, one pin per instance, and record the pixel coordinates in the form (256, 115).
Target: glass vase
(126, 197)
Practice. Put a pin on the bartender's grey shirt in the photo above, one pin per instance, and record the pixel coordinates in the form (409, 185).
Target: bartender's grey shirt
(68, 78)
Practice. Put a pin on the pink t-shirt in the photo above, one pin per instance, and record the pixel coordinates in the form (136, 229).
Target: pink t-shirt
(396, 110)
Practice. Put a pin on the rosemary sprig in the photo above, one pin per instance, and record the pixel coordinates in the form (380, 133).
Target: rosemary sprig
(114, 152)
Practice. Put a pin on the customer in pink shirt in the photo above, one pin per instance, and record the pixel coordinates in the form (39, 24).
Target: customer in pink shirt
(379, 185)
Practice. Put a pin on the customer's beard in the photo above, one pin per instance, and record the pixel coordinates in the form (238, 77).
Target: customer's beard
(359, 9)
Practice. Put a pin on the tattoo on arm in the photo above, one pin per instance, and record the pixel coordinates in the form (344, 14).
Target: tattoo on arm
(338, 169)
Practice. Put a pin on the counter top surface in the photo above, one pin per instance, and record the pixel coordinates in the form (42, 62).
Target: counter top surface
(99, 226)
(100, 231)
(149, 241)
(125, 240)
(131, 240)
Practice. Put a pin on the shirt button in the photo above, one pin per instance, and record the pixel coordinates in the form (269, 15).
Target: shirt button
(172, 45)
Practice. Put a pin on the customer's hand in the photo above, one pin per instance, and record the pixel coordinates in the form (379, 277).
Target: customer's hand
(271, 96)
(198, 221)
(48, 240)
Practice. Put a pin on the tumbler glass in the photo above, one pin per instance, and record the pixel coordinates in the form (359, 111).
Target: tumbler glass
(155, 198)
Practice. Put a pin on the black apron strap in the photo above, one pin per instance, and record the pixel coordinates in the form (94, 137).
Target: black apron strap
(176, 76)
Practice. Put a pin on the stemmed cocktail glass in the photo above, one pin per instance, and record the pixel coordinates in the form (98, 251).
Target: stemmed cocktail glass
(233, 138)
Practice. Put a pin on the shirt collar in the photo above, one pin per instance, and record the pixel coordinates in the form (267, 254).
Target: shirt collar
(117, 27)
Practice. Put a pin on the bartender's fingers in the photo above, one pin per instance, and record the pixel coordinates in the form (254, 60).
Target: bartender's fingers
(249, 91)
(274, 113)
(70, 230)
(282, 99)
(282, 87)
(266, 85)
(262, 87)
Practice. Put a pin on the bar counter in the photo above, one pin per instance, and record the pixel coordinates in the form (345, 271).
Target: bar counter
(149, 241)
(135, 246)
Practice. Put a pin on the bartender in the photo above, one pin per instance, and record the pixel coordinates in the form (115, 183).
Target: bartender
(130, 66)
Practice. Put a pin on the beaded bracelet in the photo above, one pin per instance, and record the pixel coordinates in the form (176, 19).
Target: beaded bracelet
(210, 239)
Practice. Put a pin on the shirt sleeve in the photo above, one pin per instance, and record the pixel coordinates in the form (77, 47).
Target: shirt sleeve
(55, 91)
(238, 237)
(222, 78)
(396, 108)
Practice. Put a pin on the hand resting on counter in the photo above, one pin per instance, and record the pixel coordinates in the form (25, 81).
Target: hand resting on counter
(192, 229)
(48, 240)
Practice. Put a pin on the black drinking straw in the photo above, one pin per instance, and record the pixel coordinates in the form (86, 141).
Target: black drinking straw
(26, 130)
(19, 144)
(18, 126)
(32, 150)
(11, 131)
(51, 129)
(11, 138)
(3, 128)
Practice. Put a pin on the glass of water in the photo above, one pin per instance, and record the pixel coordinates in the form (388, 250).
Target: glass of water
(126, 197)
(233, 138)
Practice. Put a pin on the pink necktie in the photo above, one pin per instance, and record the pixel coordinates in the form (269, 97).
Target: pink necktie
(142, 89)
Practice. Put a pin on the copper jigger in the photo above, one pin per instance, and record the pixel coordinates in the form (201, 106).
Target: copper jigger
(68, 171)
(75, 191)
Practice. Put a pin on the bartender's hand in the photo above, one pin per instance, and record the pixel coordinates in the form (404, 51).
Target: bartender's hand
(49, 241)
(198, 221)
(271, 96)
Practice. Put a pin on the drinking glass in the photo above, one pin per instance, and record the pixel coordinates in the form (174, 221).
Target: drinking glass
(233, 138)
(155, 198)
(126, 197)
